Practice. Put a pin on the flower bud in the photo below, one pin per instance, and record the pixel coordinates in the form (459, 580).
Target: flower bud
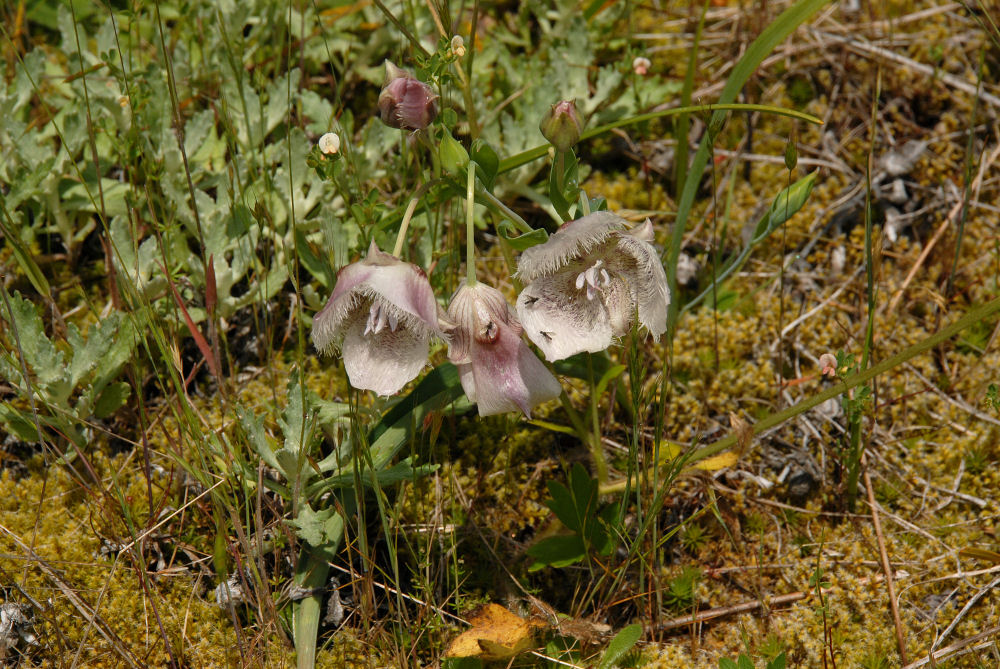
(562, 125)
(329, 143)
(641, 65)
(453, 155)
(406, 102)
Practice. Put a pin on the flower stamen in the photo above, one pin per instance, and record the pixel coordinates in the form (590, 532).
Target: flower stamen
(594, 278)
(378, 318)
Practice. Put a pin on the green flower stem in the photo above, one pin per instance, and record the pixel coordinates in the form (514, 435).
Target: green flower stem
(470, 225)
(596, 448)
(518, 222)
(526, 157)
(971, 318)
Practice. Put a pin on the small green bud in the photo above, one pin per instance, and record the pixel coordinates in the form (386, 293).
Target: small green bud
(562, 125)
(453, 155)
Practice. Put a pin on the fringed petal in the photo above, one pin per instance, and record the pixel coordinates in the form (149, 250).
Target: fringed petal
(648, 283)
(572, 240)
(386, 361)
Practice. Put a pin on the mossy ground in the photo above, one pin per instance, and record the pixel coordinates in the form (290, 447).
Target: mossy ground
(461, 532)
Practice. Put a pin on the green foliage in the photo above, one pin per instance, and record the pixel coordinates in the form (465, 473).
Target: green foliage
(744, 662)
(576, 506)
(70, 382)
(620, 645)
(682, 589)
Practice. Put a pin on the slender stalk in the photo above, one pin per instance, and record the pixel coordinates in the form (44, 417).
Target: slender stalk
(511, 215)
(596, 448)
(470, 227)
(401, 235)
(971, 318)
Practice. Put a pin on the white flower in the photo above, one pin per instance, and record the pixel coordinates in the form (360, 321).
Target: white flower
(586, 283)
(381, 316)
(641, 65)
(498, 370)
(458, 46)
(329, 143)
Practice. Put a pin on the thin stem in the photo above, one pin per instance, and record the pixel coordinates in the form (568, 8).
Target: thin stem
(470, 227)
(969, 319)
(401, 236)
(596, 449)
(512, 216)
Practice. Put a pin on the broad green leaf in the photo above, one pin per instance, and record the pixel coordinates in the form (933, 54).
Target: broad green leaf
(560, 551)
(254, 431)
(19, 424)
(113, 398)
(487, 162)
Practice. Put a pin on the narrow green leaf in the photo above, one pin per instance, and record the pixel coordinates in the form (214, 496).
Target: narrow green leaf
(765, 43)
(27, 263)
(620, 645)
(521, 242)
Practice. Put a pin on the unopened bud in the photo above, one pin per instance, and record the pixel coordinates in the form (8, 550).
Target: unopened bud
(406, 102)
(562, 125)
(641, 65)
(329, 143)
(453, 155)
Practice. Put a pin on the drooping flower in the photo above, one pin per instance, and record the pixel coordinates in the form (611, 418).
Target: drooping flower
(405, 101)
(584, 286)
(498, 370)
(381, 316)
(561, 125)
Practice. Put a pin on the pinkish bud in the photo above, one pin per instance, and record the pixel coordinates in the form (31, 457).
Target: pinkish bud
(406, 102)
(562, 125)
(828, 364)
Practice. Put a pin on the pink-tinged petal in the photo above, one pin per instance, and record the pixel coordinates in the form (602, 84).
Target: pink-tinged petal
(561, 321)
(643, 231)
(498, 371)
(407, 289)
(386, 361)
(508, 377)
(572, 240)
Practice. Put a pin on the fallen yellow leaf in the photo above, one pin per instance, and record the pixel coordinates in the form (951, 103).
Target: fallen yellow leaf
(496, 634)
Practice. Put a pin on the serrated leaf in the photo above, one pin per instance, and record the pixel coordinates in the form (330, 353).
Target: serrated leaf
(41, 355)
(322, 529)
(254, 430)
